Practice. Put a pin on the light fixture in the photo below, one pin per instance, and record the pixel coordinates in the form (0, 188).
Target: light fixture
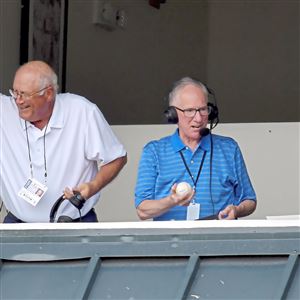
(107, 16)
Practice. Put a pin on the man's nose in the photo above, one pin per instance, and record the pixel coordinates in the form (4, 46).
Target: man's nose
(198, 115)
(19, 99)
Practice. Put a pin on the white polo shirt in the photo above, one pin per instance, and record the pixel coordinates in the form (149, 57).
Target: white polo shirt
(78, 138)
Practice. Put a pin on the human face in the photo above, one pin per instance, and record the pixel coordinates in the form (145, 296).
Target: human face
(35, 106)
(188, 97)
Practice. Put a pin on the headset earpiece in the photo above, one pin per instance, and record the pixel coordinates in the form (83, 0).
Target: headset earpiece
(77, 200)
(64, 219)
(214, 113)
(171, 115)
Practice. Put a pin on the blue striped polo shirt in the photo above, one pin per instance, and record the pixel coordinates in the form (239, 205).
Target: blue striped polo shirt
(161, 166)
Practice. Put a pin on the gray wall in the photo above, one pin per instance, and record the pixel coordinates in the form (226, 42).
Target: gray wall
(247, 51)
(253, 59)
(128, 72)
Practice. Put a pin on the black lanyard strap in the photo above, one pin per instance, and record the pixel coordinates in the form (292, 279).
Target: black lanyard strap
(188, 169)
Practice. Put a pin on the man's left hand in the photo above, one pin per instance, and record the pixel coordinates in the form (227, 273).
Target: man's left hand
(229, 213)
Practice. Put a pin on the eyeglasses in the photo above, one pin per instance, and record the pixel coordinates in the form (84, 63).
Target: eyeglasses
(191, 112)
(15, 94)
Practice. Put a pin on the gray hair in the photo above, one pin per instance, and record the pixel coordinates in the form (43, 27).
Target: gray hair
(43, 72)
(178, 85)
(49, 79)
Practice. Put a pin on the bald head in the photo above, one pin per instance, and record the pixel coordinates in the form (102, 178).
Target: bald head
(181, 84)
(34, 87)
(40, 73)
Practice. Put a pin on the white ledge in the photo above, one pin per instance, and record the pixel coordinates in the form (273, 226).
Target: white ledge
(156, 224)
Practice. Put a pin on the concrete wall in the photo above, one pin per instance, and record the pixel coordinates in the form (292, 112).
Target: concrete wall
(155, 48)
(247, 51)
(253, 59)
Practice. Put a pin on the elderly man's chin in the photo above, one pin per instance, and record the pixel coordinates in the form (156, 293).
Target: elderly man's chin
(26, 115)
(195, 135)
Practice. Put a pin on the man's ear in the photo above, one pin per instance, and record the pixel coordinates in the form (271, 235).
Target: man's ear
(49, 93)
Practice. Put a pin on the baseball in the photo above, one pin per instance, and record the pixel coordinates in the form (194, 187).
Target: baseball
(183, 189)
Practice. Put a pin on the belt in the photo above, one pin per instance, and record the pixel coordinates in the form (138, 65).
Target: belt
(14, 218)
(17, 220)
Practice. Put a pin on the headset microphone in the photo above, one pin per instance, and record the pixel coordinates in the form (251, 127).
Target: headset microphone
(204, 131)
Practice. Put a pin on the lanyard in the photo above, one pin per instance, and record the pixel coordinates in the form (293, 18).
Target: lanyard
(29, 155)
(189, 171)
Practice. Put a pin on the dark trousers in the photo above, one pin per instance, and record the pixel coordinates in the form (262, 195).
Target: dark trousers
(89, 217)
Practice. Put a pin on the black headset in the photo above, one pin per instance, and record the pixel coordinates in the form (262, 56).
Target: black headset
(213, 117)
(77, 200)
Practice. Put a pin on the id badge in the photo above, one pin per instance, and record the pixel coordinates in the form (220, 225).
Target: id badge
(193, 211)
(33, 191)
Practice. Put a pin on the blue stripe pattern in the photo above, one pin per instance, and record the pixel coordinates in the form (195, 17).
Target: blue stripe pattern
(161, 166)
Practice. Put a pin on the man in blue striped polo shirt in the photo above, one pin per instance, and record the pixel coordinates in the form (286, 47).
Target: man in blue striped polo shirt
(213, 165)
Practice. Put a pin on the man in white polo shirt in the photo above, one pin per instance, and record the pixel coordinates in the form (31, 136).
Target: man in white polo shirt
(52, 144)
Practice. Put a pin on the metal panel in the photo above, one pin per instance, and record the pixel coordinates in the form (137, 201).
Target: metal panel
(240, 277)
(41, 280)
(150, 263)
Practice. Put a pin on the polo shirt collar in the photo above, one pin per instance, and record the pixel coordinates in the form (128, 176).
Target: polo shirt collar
(176, 141)
(178, 145)
(57, 117)
(205, 142)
